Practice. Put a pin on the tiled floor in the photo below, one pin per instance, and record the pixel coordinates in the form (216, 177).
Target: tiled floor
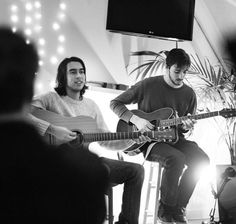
(195, 221)
(199, 222)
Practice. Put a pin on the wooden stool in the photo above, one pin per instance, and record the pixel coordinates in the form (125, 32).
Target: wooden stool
(155, 186)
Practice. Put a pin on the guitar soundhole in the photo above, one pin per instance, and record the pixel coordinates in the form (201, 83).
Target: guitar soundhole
(78, 141)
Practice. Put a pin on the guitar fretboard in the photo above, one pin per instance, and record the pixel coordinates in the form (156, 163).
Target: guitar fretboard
(90, 137)
(179, 120)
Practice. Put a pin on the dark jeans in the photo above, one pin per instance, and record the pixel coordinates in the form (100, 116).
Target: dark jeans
(132, 176)
(178, 183)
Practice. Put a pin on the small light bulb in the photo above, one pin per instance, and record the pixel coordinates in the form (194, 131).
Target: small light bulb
(14, 8)
(28, 20)
(60, 49)
(28, 6)
(63, 6)
(53, 60)
(38, 16)
(55, 26)
(14, 18)
(61, 38)
(41, 63)
(28, 32)
(14, 29)
(37, 4)
(41, 41)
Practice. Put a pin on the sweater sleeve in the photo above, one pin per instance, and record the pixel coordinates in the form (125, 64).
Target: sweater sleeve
(118, 105)
(193, 104)
(41, 125)
(110, 145)
(40, 102)
(99, 118)
(191, 109)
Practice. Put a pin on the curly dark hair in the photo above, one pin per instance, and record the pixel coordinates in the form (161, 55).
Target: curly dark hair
(178, 56)
(61, 79)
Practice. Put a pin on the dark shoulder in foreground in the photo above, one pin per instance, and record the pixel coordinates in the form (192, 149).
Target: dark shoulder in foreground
(46, 183)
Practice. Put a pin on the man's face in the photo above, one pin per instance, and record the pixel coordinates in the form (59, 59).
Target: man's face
(75, 76)
(177, 74)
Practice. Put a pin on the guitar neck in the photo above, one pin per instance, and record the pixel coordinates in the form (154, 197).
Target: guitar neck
(108, 136)
(179, 120)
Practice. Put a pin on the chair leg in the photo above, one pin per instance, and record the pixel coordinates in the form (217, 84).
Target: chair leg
(157, 192)
(146, 210)
(110, 206)
(110, 195)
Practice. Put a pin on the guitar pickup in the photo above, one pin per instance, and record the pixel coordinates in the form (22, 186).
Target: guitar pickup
(156, 124)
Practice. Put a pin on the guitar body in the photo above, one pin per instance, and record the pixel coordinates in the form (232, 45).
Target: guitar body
(154, 118)
(80, 124)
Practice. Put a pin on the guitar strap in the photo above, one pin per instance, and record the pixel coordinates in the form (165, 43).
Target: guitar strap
(149, 148)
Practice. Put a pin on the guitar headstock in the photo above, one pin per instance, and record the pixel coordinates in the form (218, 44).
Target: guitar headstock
(226, 113)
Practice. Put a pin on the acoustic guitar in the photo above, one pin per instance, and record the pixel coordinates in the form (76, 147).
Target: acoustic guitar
(87, 131)
(164, 119)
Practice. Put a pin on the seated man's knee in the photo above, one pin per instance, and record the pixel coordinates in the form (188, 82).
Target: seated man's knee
(137, 171)
(202, 160)
(176, 161)
(206, 159)
(140, 170)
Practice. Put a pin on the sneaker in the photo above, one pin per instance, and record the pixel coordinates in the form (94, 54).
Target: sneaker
(165, 214)
(179, 216)
(121, 222)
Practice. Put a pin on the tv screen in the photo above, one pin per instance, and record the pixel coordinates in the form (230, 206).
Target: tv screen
(172, 19)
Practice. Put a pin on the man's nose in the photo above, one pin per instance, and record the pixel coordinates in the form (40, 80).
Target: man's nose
(78, 74)
(181, 75)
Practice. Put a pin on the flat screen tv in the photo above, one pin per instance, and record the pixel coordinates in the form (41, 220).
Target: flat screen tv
(168, 19)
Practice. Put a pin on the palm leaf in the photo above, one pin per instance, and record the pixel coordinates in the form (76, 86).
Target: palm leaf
(150, 67)
(140, 66)
(198, 65)
(145, 72)
(144, 53)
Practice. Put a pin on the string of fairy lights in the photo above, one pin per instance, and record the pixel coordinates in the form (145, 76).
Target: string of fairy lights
(27, 15)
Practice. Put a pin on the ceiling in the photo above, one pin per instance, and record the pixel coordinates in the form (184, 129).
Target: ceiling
(224, 15)
(108, 54)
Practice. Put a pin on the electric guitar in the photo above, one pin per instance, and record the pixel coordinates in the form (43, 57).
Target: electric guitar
(87, 131)
(164, 119)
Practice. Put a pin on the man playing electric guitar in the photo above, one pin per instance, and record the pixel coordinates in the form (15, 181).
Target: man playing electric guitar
(68, 100)
(159, 92)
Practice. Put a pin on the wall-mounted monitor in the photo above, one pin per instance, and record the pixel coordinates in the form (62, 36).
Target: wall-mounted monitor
(168, 19)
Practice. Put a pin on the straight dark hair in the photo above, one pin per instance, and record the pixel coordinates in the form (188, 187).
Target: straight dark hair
(61, 79)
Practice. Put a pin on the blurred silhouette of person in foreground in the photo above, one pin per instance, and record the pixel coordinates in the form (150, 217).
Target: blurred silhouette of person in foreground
(40, 183)
(230, 46)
